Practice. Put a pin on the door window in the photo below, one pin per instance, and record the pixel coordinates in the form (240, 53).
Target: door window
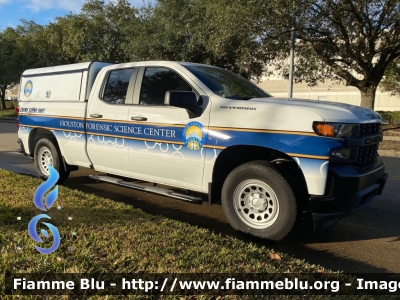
(117, 86)
(156, 82)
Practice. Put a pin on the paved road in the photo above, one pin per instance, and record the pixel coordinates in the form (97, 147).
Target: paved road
(368, 241)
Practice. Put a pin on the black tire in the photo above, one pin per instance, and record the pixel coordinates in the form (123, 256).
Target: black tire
(257, 200)
(47, 152)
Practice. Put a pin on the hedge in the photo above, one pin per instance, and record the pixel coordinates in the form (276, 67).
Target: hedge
(390, 116)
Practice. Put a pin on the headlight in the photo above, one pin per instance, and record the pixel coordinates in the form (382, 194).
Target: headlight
(337, 130)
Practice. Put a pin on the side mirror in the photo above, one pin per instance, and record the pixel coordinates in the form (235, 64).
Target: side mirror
(183, 99)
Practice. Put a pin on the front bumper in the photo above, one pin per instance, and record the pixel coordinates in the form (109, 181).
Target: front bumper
(349, 188)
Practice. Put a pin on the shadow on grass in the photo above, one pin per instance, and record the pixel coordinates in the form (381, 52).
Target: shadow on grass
(212, 218)
(365, 225)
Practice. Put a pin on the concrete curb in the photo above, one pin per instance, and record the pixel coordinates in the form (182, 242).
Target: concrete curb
(391, 138)
(391, 153)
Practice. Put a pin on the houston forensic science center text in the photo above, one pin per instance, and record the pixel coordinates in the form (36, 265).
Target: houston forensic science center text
(227, 284)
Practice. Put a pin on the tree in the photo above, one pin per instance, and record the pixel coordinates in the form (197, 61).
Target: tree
(100, 32)
(169, 30)
(391, 82)
(354, 41)
(9, 62)
(353, 37)
(230, 38)
(183, 30)
(19, 50)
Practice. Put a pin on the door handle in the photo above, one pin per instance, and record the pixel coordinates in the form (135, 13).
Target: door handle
(96, 116)
(138, 119)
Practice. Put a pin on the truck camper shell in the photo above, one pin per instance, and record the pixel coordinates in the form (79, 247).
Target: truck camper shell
(60, 83)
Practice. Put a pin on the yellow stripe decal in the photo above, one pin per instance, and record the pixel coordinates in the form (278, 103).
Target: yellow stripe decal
(262, 130)
(51, 116)
(177, 125)
(308, 156)
(214, 147)
(51, 128)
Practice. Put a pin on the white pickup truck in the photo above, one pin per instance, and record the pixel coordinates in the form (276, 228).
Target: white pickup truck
(200, 128)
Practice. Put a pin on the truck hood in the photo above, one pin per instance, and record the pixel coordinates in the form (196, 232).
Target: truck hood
(329, 111)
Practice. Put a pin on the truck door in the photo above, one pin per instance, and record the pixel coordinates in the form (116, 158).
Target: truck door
(106, 120)
(168, 145)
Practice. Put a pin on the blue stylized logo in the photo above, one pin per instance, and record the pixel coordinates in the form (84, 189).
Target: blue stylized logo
(28, 88)
(38, 201)
(193, 135)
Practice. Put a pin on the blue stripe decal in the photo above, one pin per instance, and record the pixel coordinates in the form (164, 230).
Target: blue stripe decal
(128, 130)
(287, 143)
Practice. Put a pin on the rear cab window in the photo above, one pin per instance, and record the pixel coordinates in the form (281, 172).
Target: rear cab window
(116, 88)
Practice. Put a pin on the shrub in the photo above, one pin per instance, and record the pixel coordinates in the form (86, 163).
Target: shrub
(391, 117)
(11, 104)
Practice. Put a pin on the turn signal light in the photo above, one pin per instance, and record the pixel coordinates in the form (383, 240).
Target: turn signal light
(337, 130)
(324, 129)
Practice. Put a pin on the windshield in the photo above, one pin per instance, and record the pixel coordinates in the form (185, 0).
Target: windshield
(226, 84)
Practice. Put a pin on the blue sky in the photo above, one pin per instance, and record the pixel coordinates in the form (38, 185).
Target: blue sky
(41, 11)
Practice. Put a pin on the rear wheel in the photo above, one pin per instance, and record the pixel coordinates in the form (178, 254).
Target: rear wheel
(257, 199)
(47, 153)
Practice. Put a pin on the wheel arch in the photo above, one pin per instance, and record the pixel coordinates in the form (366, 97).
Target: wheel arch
(37, 134)
(234, 156)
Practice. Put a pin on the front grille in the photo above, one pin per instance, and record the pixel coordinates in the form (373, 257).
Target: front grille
(367, 154)
(370, 128)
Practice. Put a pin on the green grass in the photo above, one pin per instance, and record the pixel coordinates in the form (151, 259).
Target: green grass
(115, 237)
(9, 111)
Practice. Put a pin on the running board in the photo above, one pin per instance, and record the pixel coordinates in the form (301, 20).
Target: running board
(149, 189)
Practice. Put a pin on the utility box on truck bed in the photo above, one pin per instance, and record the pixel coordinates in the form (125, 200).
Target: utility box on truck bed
(61, 83)
(200, 128)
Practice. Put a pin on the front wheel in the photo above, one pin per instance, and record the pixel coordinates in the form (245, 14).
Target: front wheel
(257, 199)
(47, 153)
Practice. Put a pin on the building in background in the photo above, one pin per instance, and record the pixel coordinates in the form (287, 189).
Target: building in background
(11, 95)
(328, 91)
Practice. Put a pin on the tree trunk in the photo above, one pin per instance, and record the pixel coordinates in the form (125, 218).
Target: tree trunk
(2, 97)
(368, 97)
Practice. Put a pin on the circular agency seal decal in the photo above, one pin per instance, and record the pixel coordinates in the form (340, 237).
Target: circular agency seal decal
(28, 88)
(193, 135)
